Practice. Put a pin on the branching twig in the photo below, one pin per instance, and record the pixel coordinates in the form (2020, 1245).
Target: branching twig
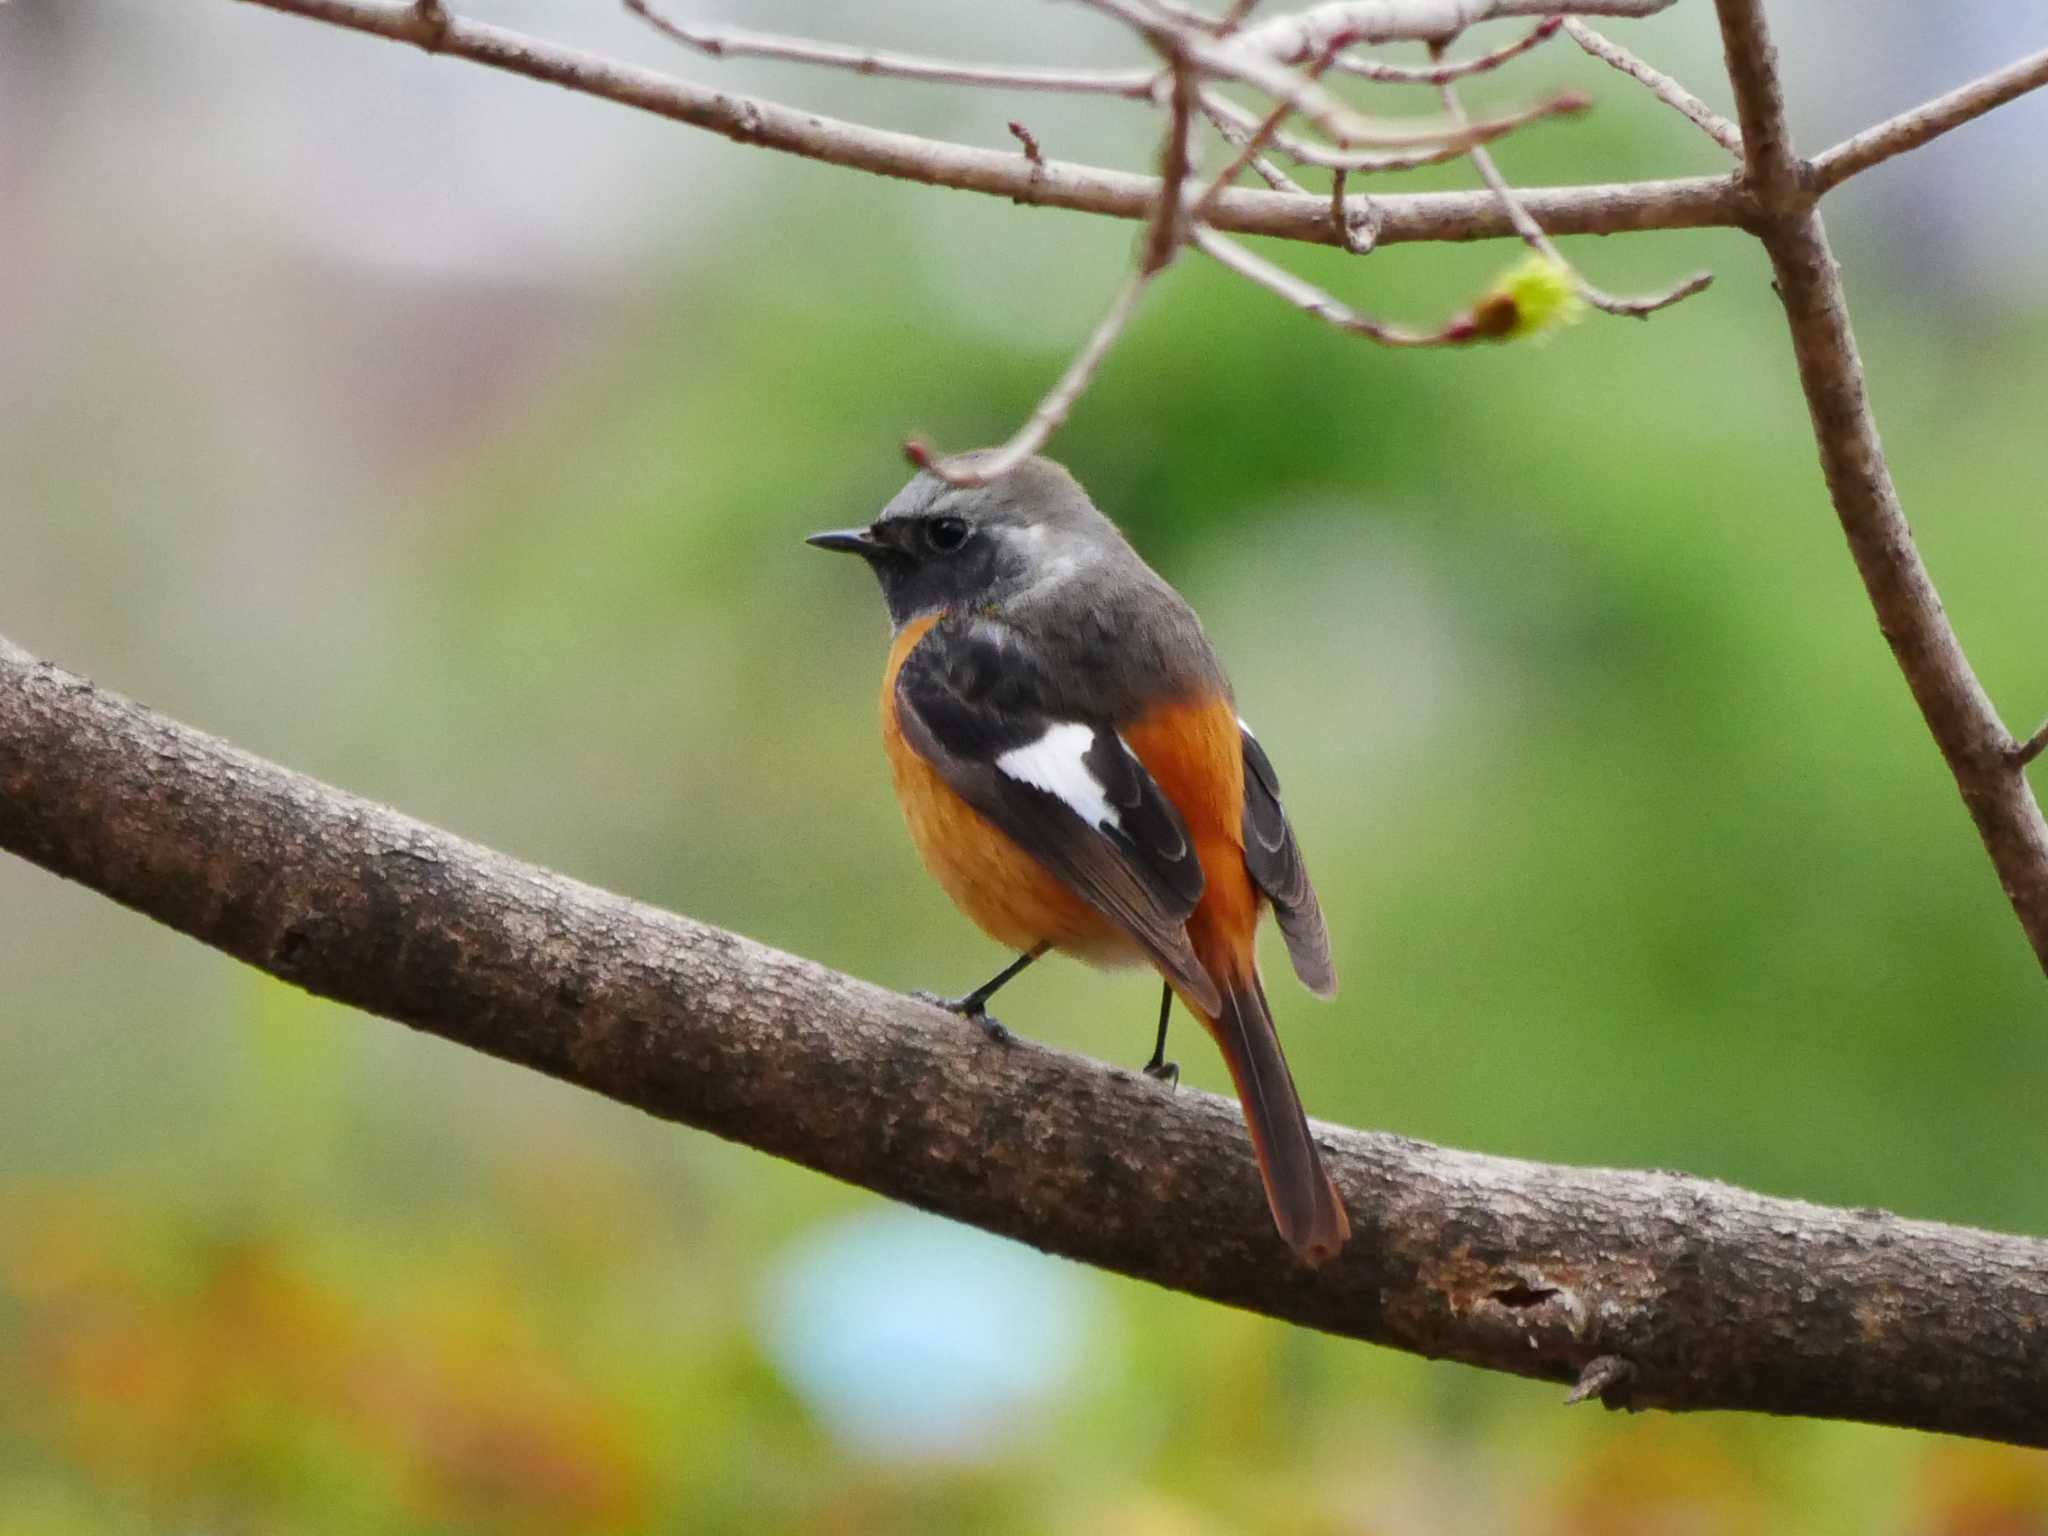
(1136, 84)
(1451, 144)
(1252, 142)
(1169, 220)
(1450, 69)
(1028, 141)
(2032, 747)
(1214, 26)
(1236, 136)
(1053, 409)
(1661, 85)
(1358, 223)
(1910, 130)
(1534, 236)
(1304, 295)
(1685, 203)
(1712, 1297)
(1163, 238)
(1974, 742)
(1304, 34)
(1234, 59)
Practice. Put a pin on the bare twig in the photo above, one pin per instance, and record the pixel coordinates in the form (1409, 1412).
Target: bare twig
(1202, 21)
(1974, 742)
(1686, 203)
(1231, 59)
(1449, 145)
(1137, 84)
(2032, 747)
(1237, 137)
(1306, 296)
(1024, 137)
(1162, 242)
(1169, 220)
(1452, 69)
(1220, 25)
(1357, 223)
(1253, 142)
(1537, 239)
(1715, 1297)
(1304, 34)
(1769, 165)
(1661, 85)
(1053, 409)
(1910, 130)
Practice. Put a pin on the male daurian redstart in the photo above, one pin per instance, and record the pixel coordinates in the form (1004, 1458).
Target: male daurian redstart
(1075, 774)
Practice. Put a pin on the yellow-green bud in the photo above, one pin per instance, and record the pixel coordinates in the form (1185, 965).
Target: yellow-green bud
(1532, 299)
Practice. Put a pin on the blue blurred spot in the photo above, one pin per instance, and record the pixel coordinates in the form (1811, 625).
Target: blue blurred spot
(910, 1336)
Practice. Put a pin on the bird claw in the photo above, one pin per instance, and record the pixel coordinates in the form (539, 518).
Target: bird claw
(968, 1007)
(1167, 1072)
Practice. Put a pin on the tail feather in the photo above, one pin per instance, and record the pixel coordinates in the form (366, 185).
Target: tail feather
(1305, 1205)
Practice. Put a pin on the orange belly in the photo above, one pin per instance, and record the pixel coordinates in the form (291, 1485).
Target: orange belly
(1192, 751)
(1007, 893)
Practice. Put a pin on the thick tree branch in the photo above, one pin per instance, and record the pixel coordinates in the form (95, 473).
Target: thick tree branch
(1689, 203)
(1650, 1289)
(1979, 750)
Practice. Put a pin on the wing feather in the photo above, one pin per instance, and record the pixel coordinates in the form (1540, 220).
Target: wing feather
(1274, 860)
(971, 702)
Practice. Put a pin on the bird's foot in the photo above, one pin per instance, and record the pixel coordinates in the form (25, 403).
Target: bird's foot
(969, 1007)
(1167, 1072)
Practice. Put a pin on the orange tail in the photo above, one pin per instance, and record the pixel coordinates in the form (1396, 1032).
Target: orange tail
(1305, 1205)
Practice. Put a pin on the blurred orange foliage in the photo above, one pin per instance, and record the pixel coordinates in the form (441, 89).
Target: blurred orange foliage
(232, 1373)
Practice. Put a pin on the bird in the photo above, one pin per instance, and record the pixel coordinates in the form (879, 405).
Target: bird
(1074, 773)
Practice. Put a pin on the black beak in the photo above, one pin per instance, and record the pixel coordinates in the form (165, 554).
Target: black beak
(849, 541)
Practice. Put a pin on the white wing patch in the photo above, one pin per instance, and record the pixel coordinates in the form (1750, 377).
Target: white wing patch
(1055, 763)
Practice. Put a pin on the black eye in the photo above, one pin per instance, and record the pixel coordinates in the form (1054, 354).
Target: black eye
(945, 534)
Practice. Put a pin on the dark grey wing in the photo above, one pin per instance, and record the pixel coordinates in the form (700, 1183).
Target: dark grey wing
(971, 701)
(1274, 860)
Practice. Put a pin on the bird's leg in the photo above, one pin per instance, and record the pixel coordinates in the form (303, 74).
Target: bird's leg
(1159, 1067)
(975, 1004)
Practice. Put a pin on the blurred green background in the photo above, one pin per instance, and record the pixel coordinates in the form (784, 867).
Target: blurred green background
(451, 439)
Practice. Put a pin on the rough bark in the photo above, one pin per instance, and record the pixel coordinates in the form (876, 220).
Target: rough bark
(1651, 1289)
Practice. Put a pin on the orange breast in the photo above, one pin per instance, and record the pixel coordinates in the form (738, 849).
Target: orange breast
(1003, 889)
